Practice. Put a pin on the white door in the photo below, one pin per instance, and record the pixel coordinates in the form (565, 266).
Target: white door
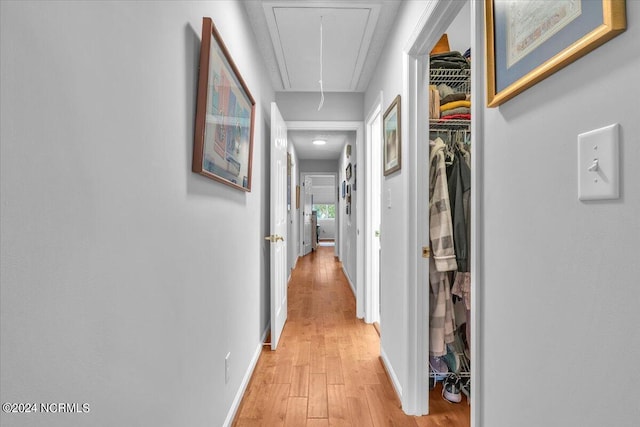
(373, 214)
(376, 194)
(278, 224)
(308, 207)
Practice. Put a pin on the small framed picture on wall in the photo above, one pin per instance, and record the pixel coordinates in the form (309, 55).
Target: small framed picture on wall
(392, 144)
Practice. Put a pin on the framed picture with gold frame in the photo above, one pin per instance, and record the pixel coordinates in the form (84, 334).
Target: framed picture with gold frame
(529, 40)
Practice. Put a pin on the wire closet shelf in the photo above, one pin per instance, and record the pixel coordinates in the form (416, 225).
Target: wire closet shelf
(459, 81)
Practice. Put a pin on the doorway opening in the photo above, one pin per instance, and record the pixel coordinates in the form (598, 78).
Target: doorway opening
(436, 21)
(346, 250)
(320, 219)
(326, 221)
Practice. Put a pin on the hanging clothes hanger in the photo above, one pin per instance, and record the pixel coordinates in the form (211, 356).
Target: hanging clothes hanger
(449, 150)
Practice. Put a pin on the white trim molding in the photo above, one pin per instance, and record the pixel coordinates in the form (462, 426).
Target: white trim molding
(477, 211)
(392, 374)
(346, 274)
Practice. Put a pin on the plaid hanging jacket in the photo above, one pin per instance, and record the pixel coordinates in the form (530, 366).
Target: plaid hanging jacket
(440, 224)
(443, 257)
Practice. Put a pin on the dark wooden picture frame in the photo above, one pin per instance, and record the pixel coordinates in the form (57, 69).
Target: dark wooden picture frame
(225, 115)
(392, 142)
(518, 59)
(355, 176)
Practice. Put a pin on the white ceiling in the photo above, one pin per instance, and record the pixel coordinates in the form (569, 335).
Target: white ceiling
(302, 141)
(353, 35)
(288, 35)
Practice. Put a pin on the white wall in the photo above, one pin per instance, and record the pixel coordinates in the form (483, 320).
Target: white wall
(388, 78)
(348, 223)
(318, 166)
(558, 290)
(293, 216)
(459, 32)
(324, 195)
(324, 189)
(303, 106)
(125, 277)
(327, 228)
(559, 315)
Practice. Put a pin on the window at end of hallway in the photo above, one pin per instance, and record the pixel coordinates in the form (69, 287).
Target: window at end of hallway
(325, 211)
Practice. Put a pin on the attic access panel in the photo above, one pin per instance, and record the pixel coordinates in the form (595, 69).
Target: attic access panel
(295, 32)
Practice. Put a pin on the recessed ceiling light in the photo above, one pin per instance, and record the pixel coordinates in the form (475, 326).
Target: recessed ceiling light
(319, 142)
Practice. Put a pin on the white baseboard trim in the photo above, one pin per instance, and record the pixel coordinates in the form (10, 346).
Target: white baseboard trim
(392, 374)
(245, 381)
(353, 288)
(295, 263)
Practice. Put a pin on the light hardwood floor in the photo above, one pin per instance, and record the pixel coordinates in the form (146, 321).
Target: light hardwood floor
(327, 369)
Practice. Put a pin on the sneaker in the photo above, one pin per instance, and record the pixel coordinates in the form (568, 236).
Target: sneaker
(439, 368)
(452, 360)
(451, 389)
(465, 386)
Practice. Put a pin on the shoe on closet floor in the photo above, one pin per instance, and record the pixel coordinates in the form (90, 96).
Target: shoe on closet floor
(439, 367)
(451, 389)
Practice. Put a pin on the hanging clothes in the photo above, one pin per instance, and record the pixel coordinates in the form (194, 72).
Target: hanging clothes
(441, 317)
(459, 186)
(466, 198)
(443, 258)
(462, 175)
(434, 102)
(440, 225)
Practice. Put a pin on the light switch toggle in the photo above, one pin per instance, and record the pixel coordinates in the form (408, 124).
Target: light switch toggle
(598, 164)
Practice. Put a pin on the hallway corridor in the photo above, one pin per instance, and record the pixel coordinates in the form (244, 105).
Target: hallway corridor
(327, 370)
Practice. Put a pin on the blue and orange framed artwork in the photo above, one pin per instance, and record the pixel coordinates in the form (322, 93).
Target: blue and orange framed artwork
(225, 114)
(529, 40)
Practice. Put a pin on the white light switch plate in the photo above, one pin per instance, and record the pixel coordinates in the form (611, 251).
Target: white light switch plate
(598, 161)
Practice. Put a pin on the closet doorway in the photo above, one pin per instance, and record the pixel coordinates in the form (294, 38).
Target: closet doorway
(438, 19)
(449, 77)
